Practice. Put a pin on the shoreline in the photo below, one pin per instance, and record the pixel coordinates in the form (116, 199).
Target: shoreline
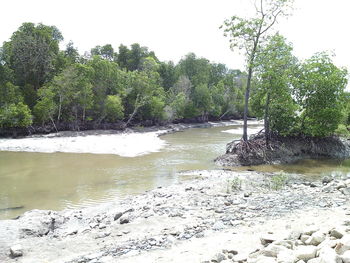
(162, 224)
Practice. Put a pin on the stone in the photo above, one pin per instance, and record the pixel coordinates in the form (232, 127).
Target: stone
(124, 219)
(304, 238)
(343, 245)
(305, 252)
(16, 251)
(117, 216)
(267, 239)
(327, 255)
(218, 225)
(346, 257)
(286, 256)
(345, 191)
(327, 179)
(315, 239)
(337, 233)
(219, 257)
(273, 250)
(310, 230)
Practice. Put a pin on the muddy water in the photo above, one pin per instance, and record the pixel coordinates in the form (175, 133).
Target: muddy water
(66, 180)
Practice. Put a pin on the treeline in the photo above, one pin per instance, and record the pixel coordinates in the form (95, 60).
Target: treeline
(42, 85)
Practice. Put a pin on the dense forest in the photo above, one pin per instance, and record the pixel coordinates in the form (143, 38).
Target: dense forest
(45, 88)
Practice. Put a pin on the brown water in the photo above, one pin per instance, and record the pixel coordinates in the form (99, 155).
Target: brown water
(63, 180)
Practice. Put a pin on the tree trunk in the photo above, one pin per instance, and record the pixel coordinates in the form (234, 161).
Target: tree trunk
(267, 119)
(246, 101)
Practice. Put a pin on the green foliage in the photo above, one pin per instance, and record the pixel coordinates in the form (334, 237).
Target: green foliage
(31, 53)
(114, 108)
(278, 181)
(234, 184)
(343, 131)
(46, 108)
(272, 96)
(319, 91)
(15, 115)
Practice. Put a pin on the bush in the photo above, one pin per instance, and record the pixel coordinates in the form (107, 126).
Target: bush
(15, 116)
(114, 108)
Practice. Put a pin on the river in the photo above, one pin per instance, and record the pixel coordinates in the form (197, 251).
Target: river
(30, 180)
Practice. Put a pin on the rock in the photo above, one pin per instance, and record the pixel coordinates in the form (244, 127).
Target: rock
(267, 239)
(286, 256)
(327, 179)
(304, 238)
(247, 194)
(117, 216)
(346, 257)
(273, 250)
(305, 252)
(328, 188)
(16, 251)
(124, 219)
(327, 255)
(343, 245)
(286, 243)
(219, 257)
(337, 233)
(345, 191)
(315, 260)
(315, 239)
(310, 230)
(263, 259)
(218, 225)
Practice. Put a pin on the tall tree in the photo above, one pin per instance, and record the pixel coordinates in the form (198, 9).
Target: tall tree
(248, 34)
(272, 96)
(319, 91)
(31, 53)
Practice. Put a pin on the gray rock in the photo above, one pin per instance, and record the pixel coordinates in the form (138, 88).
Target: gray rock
(337, 233)
(124, 219)
(315, 239)
(305, 252)
(16, 251)
(327, 179)
(273, 250)
(345, 191)
(219, 257)
(267, 239)
(117, 216)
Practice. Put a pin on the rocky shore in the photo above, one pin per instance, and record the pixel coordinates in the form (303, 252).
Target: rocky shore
(215, 216)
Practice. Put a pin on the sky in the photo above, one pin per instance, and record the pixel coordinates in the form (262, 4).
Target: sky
(174, 28)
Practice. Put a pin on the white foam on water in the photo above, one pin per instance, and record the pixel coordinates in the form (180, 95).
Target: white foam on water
(124, 144)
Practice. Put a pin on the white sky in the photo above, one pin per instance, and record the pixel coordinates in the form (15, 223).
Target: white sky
(174, 28)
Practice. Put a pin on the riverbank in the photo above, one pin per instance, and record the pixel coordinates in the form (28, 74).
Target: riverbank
(190, 221)
(128, 143)
(283, 150)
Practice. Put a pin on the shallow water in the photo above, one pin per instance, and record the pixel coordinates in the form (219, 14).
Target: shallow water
(70, 180)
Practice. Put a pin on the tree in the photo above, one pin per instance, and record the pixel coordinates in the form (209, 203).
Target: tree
(107, 79)
(13, 112)
(46, 107)
(249, 33)
(114, 108)
(272, 98)
(71, 53)
(319, 91)
(31, 53)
